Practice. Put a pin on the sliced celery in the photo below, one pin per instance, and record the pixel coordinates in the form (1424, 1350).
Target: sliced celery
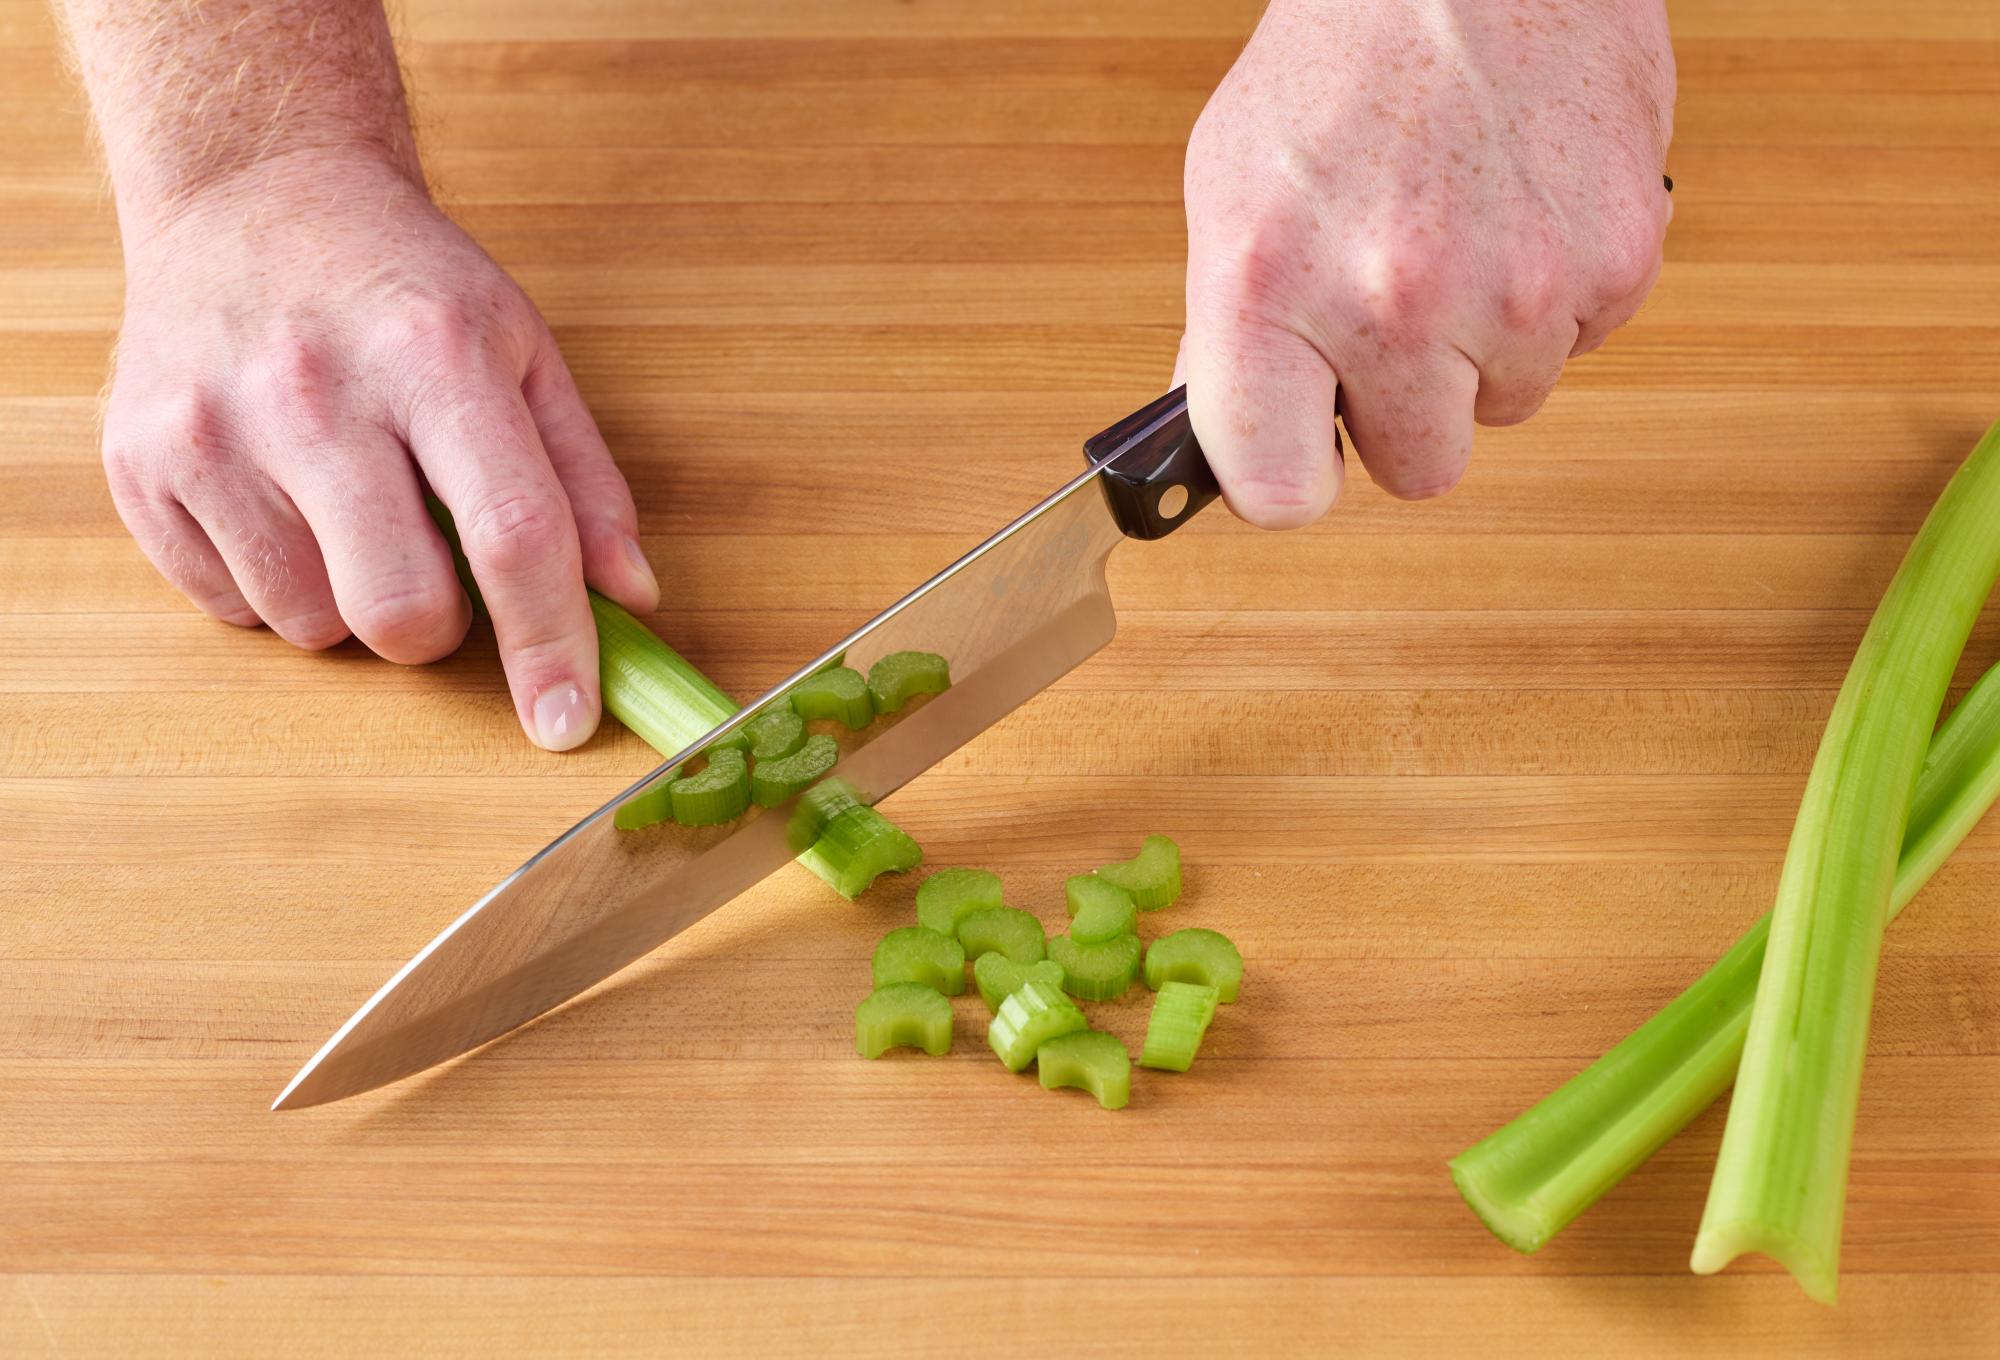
(999, 977)
(1089, 1060)
(774, 735)
(902, 1015)
(1032, 1016)
(773, 781)
(720, 793)
(857, 847)
(1099, 910)
(1780, 1182)
(654, 690)
(950, 895)
(1097, 972)
(1528, 1180)
(920, 954)
(1203, 956)
(816, 809)
(839, 692)
(1153, 876)
(1180, 1017)
(1002, 930)
(650, 808)
(901, 676)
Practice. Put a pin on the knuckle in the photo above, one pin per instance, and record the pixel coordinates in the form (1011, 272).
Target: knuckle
(431, 333)
(1403, 286)
(1532, 294)
(296, 378)
(1629, 255)
(413, 622)
(517, 532)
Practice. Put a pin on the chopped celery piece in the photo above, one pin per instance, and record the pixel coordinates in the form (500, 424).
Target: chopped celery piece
(858, 846)
(949, 895)
(650, 808)
(1097, 972)
(999, 977)
(901, 676)
(1153, 876)
(1180, 1017)
(1780, 1183)
(773, 781)
(902, 1015)
(1033, 1015)
(1090, 1060)
(1099, 910)
(1003, 930)
(775, 734)
(720, 793)
(1203, 956)
(837, 693)
(920, 954)
(1528, 1180)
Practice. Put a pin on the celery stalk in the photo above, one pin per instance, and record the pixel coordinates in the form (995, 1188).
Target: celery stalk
(1528, 1180)
(1780, 1182)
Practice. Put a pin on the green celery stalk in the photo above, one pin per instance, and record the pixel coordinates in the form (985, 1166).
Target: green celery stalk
(1528, 1180)
(658, 693)
(1780, 1182)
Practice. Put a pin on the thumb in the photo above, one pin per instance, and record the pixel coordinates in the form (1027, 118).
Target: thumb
(1261, 400)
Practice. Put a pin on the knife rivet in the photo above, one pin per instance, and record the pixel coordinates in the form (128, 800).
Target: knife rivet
(1172, 501)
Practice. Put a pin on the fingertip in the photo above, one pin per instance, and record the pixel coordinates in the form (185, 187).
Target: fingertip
(562, 717)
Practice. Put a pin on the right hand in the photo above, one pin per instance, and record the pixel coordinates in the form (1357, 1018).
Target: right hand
(295, 363)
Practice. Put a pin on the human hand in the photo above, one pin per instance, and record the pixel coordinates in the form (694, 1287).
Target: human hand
(1413, 212)
(303, 346)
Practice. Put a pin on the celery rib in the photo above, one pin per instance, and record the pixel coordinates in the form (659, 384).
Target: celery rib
(1780, 1181)
(1530, 1179)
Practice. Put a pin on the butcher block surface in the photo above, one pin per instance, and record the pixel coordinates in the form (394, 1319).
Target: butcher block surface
(1476, 784)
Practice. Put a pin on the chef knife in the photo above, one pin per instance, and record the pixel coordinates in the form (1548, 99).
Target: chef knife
(1010, 617)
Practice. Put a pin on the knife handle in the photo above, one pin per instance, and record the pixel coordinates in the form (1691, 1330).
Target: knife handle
(1154, 474)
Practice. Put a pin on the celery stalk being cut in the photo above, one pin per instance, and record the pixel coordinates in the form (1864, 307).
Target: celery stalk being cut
(1527, 1181)
(1780, 1182)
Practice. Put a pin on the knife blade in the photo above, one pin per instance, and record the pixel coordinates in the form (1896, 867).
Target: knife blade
(1011, 617)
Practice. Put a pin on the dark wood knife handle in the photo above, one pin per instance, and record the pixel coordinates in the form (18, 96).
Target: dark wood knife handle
(1153, 472)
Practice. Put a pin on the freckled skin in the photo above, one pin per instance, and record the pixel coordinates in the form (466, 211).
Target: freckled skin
(1418, 209)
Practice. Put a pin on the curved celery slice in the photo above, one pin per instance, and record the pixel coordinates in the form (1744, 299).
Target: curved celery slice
(949, 895)
(773, 781)
(1780, 1183)
(1090, 1060)
(774, 735)
(1529, 1180)
(902, 1015)
(998, 977)
(920, 954)
(1153, 876)
(1008, 931)
(1099, 910)
(1180, 1017)
(1203, 956)
(900, 676)
(720, 793)
(838, 692)
(1097, 972)
(650, 808)
(857, 847)
(1032, 1016)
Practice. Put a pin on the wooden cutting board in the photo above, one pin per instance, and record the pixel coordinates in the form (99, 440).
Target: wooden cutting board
(1476, 783)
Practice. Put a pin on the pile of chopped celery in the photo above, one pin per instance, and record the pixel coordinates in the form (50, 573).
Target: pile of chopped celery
(1784, 1015)
(1031, 984)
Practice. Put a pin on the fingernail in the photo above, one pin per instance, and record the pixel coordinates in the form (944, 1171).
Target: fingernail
(645, 568)
(563, 718)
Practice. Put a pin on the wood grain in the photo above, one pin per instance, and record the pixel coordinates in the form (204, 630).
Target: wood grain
(1475, 784)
